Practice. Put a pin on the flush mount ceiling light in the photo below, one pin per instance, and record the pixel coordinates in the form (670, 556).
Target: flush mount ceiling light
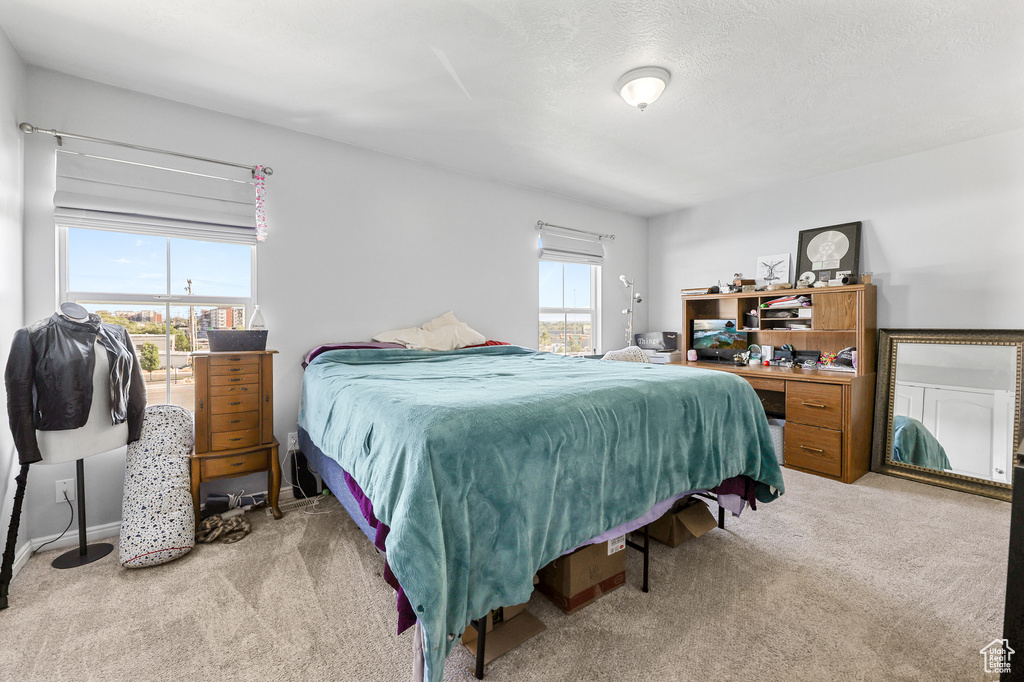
(642, 86)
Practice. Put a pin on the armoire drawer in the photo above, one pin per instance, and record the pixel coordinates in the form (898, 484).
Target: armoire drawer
(225, 404)
(234, 421)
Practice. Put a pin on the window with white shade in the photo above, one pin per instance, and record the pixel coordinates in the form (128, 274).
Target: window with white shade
(162, 246)
(568, 310)
(570, 275)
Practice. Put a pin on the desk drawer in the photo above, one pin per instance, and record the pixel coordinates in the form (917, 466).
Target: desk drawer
(217, 361)
(234, 421)
(231, 440)
(814, 448)
(235, 465)
(228, 404)
(761, 384)
(814, 404)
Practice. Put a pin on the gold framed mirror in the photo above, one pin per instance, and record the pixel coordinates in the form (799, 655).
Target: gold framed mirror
(948, 407)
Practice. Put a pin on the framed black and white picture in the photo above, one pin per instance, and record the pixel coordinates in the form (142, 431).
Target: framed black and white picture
(772, 269)
(824, 251)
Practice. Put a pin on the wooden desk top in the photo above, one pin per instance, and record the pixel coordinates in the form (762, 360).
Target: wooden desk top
(822, 376)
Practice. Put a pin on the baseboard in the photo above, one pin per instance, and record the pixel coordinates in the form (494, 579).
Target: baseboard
(70, 539)
(21, 558)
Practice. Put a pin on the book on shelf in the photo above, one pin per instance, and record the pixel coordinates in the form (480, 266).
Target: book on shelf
(788, 302)
(695, 291)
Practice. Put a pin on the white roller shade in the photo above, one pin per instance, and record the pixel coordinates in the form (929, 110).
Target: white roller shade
(129, 190)
(571, 247)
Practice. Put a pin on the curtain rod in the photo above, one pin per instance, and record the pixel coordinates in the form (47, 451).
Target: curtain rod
(28, 128)
(541, 225)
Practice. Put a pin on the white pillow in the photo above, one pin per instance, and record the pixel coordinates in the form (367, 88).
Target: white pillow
(628, 354)
(445, 332)
(392, 336)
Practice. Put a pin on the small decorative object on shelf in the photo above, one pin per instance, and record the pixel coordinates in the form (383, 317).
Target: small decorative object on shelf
(257, 321)
(824, 253)
(773, 269)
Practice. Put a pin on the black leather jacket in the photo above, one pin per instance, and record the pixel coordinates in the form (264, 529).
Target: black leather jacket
(49, 379)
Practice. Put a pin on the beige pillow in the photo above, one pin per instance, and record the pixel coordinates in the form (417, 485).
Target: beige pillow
(445, 332)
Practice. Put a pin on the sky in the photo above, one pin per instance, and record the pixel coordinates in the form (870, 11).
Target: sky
(564, 285)
(115, 262)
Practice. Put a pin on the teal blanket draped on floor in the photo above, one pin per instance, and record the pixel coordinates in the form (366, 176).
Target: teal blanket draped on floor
(488, 463)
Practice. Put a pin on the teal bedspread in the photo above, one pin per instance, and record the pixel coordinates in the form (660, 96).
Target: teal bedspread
(488, 463)
(913, 443)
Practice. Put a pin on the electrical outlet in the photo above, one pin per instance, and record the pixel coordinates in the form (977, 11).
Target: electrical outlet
(293, 441)
(65, 486)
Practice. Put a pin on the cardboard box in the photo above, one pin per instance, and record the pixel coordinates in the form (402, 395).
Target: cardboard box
(495, 617)
(688, 518)
(575, 580)
(507, 628)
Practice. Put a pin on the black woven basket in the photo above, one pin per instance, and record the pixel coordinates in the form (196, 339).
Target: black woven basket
(235, 340)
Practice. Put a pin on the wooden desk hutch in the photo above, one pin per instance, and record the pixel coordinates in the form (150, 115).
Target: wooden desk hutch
(828, 414)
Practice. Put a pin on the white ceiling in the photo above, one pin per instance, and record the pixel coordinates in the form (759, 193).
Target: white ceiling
(762, 91)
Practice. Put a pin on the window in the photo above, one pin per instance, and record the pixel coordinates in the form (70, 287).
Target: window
(160, 244)
(568, 307)
(166, 291)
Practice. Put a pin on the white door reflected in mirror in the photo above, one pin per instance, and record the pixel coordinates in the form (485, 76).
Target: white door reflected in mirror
(953, 408)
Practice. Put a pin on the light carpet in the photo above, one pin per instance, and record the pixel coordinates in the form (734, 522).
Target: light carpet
(885, 579)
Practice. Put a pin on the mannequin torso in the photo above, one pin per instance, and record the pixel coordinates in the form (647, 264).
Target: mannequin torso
(98, 435)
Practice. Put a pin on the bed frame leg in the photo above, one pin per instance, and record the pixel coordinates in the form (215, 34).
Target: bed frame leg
(721, 516)
(647, 554)
(481, 635)
(644, 549)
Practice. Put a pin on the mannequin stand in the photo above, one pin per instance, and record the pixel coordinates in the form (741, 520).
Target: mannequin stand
(7, 565)
(85, 554)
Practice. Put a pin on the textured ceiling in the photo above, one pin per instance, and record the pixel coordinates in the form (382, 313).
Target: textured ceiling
(762, 91)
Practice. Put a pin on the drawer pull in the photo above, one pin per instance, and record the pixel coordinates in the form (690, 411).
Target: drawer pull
(234, 439)
(235, 369)
(237, 464)
(237, 402)
(813, 404)
(235, 359)
(235, 379)
(200, 403)
(234, 421)
(804, 447)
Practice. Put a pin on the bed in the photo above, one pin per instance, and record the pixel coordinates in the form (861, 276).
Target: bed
(488, 463)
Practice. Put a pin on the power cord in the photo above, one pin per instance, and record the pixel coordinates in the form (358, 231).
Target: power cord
(313, 510)
(72, 520)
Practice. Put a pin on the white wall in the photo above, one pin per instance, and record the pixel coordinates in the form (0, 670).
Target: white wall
(360, 242)
(943, 234)
(12, 99)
